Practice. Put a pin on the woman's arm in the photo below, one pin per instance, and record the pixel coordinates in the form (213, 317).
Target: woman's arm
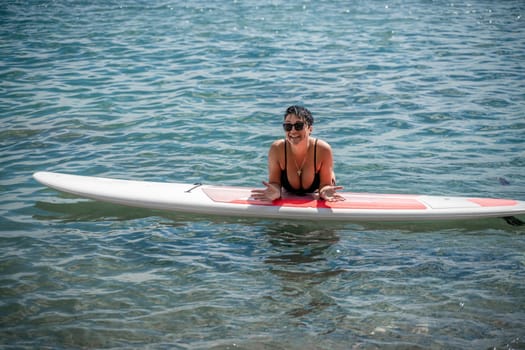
(273, 186)
(327, 188)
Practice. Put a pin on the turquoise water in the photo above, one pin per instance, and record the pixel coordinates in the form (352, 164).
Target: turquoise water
(413, 96)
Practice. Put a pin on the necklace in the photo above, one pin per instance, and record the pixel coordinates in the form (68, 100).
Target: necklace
(300, 170)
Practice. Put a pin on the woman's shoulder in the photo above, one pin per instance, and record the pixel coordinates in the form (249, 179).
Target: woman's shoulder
(276, 149)
(279, 144)
(323, 145)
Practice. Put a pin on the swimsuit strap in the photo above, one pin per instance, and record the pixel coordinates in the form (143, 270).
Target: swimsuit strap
(285, 161)
(315, 157)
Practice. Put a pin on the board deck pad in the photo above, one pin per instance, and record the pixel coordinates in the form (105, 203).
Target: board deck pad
(358, 201)
(493, 202)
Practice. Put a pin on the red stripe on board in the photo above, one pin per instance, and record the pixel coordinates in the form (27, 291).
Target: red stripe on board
(490, 202)
(378, 202)
(383, 203)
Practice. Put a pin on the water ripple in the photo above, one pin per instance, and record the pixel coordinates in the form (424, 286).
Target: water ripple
(412, 97)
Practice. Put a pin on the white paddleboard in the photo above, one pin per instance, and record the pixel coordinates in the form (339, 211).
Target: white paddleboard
(236, 201)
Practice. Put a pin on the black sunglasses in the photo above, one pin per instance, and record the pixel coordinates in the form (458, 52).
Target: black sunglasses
(298, 126)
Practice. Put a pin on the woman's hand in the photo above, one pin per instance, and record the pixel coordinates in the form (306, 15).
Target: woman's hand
(329, 194)
(270, 193)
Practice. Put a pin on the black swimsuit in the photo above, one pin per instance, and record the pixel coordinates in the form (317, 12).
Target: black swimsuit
(315, 184)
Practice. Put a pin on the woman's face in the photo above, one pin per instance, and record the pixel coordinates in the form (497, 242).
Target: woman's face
(292, 134)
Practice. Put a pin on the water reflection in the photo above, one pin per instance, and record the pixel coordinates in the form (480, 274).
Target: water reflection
(86, 210)
(295, 244)
(302, 257)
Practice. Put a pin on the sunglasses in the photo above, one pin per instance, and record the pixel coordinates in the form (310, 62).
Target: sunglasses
(289, 126)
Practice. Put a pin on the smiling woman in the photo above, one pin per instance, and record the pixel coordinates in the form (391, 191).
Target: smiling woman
(299, 163)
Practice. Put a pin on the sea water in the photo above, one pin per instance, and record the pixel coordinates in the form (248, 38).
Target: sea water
(414, 97)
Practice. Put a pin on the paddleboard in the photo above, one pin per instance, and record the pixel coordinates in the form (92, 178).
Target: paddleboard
(237, 201)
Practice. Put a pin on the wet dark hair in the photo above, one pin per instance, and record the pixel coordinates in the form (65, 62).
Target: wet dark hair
(301, 112)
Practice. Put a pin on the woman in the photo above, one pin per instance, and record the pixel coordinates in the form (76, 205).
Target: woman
(299, 164)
